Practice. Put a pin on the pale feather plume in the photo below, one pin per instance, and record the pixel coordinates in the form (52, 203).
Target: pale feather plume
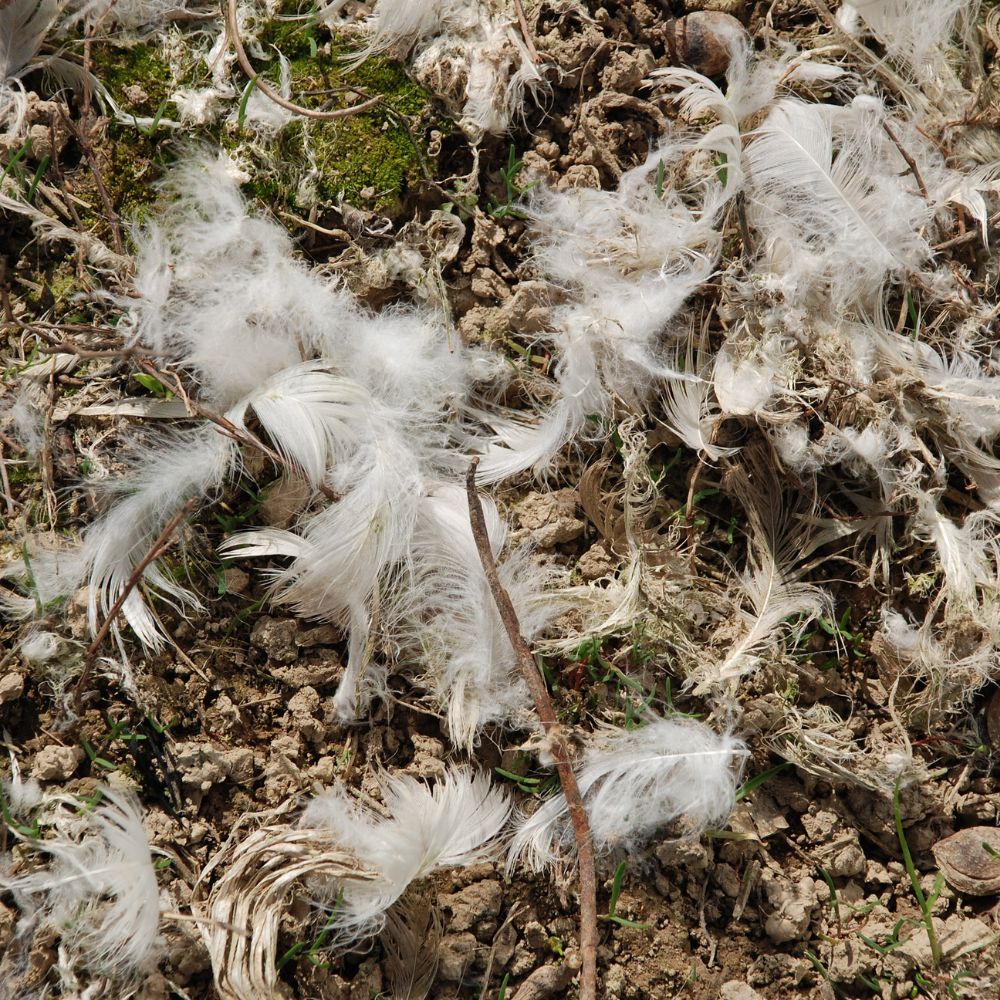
(455, 823)
(635, 782)
(99, 891)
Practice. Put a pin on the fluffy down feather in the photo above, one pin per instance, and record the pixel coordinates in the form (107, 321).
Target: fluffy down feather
(447, 613)
(455, 823)
(219, 290)
(625, 261)
(99, 892)
(826, 194)
(634, 782)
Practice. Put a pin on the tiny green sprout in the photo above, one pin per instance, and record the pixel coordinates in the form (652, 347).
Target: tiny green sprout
(834, 901)
(154, 386)
(308, 950)
(661, 176)
(616, 890)
(150, 130)
(991, 850)
(722, 169)
(892, 941)
(525, 783)
(43, 165)
(513, 190)
(751, 784)
(556, 946)
(94, 756)
(817, 964)
(241, 113)
(32, 831)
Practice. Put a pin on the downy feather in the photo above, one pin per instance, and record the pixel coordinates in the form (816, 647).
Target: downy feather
(915, 31)
(344, 553)
(454, 823)
(770, 598)
(219, 291)
(183, 466)
(687, 411)
(99, 892)
(447, 613)
(635, 782)
(969, 555)
(625, 262)
(23, 26)
(312, 417)
(826, 194)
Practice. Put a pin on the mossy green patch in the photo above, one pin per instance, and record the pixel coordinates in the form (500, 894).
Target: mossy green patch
(139, 67)
(370, 158)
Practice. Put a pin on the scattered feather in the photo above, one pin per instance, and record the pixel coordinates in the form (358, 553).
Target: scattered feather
(99, 891)
(634, 783)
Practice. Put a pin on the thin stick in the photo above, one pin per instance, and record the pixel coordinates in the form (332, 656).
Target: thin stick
(155, 551)
(556, 740)
(910, 162)
(529, 42)
(268, 91)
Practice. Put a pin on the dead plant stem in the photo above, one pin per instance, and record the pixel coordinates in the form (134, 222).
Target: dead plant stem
(529, 41)
(269, 92)
(556, 741)
(157, 549)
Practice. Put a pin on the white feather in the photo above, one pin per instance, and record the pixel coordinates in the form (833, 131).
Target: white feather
(312, 416)
(969, 555)
(634, 783)
(162, 480)
(914, 31)
(448, 614)
(220, 292)
(23, 26)
(346, 550)
(624, 262)
(827, 196)
(688, 413)
(770, 598)
(99, 892)
(455, 823)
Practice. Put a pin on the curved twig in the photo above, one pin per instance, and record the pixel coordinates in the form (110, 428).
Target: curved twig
(268, 91)
(556, 741)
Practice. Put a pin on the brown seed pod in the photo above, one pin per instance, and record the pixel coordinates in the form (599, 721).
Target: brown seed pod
(703, 41)
(970, 860)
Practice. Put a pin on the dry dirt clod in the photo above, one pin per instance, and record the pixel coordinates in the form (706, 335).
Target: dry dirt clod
(548, 981)
(11, 687)
(703, 41)
(55, 763)
(968, 866)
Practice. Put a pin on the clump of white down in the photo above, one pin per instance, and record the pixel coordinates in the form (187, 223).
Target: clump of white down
(468, 52)
(98, 891)
(370, 416)
(455, 823)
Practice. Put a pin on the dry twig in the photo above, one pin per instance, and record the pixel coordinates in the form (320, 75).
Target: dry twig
(269, 92)
(556, 740)
(529, 41)
(157, 549)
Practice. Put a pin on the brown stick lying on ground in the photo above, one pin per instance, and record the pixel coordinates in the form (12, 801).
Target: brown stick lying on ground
(157, 549)
(557, 742)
